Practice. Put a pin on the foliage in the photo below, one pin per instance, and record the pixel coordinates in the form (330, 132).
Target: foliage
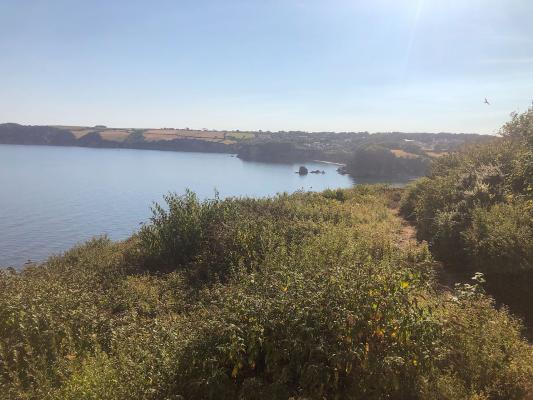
(378, 161)
(310, 295)
(484, 353)
(500, 238)
(476, 207)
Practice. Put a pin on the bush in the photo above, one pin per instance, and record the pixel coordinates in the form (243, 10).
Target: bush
(500, 238)
(484, 356)
(176, 237)
(55, 313)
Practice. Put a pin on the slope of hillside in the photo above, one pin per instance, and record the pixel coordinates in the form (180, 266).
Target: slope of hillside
(312, 295)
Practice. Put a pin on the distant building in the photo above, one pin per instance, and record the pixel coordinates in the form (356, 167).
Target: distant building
(100, 126)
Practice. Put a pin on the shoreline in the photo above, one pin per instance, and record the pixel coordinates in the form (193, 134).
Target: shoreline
(330, 162)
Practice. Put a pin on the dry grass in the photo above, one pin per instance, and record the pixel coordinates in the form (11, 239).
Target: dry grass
(404, 154)
(78, 133)
(153, 135)
(171, 134)
(70, 127)
(115, 135)
(240, 135)
(436, 154)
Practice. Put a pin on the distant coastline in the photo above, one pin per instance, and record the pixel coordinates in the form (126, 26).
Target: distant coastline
(359, 154)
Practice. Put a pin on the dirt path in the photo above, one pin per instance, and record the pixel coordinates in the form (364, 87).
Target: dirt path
(446, 279)
(407, 231)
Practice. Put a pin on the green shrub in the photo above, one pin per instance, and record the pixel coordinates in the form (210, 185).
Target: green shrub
(334, 194)
(484, 356)
(175, 237)
(475, 211)
(500, 238)
(410, 197)
(52, 314)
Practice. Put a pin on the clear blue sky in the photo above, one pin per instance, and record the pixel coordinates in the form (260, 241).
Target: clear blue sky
(274, 65)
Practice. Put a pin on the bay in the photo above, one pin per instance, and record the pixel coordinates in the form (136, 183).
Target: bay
(52, 198)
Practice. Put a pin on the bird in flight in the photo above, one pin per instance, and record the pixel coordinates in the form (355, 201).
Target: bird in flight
(486, 101)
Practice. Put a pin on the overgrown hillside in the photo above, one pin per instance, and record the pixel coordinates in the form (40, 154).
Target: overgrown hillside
(476, 211)
(312, 295)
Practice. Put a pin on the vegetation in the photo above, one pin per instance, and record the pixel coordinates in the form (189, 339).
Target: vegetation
(378, 161)
(476, 212)
(310, 295)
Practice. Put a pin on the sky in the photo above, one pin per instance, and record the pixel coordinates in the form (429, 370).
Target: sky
(330, 65)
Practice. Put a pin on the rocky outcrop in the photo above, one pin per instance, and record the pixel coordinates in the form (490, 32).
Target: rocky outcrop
(303, 170)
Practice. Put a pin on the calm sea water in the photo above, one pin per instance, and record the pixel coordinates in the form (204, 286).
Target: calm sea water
(52, 198)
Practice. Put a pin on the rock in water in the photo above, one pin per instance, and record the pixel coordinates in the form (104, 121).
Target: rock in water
(303, 170)
(342, 170)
